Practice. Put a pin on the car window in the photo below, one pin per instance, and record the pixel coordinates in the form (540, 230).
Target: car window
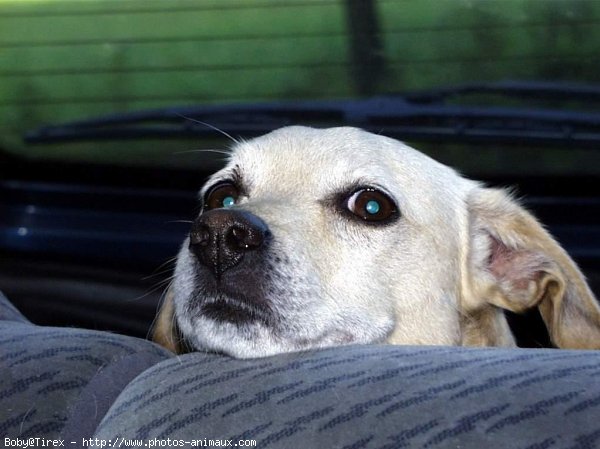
(64, 61)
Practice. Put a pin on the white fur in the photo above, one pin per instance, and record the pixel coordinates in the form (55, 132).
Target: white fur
(351, 283)
(440, 274)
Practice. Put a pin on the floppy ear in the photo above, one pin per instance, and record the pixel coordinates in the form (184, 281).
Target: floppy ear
(165, 331)
(514, 264)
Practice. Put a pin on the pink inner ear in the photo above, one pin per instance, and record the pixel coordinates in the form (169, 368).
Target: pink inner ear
(518, 267)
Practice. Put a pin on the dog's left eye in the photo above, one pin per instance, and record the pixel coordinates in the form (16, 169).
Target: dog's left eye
(224, 194)
(371, 205)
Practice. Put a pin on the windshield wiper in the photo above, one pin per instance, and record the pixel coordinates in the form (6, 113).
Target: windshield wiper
(426, 115)
(539, 90)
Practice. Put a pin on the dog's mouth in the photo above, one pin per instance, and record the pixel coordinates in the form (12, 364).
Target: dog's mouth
(237, 312)
(237, 297)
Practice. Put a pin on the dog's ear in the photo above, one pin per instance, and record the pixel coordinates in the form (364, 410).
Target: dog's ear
(165, 331)
(513, 263)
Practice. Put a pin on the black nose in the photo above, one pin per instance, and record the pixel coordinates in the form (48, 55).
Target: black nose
(219, 238)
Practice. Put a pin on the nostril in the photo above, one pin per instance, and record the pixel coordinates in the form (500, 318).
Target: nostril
(200, 236)
(245, 238)
(239, 236)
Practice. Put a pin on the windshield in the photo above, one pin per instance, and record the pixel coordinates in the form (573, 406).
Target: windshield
(68, 61)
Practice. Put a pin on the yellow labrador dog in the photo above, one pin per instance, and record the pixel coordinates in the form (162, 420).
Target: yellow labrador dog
(321, 237)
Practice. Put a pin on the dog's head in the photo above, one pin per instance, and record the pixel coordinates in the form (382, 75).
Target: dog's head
(312, 238)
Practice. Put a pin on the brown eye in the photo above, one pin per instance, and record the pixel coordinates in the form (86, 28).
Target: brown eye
(224, 194)
(371, 205)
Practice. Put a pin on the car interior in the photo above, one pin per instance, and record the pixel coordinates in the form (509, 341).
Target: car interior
(113, 115)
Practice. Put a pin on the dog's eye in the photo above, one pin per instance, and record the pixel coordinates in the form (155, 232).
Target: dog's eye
(371, 205)
(224, 194)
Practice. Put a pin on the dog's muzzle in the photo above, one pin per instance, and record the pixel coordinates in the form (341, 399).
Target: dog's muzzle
(220, 238)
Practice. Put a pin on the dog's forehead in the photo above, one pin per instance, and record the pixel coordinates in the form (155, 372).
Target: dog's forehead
(327, 159)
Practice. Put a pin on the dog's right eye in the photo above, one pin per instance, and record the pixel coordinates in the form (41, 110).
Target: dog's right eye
(371, 205)
(224, 194)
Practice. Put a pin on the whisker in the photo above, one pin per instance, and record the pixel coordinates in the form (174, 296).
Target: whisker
(179, 221)
(158, 273)
(170, 260)
(158, 307)
(205, 150)
(159, 285)
(220, 131)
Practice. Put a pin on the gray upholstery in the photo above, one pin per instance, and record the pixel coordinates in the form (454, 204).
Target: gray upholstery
(72, 383)
(58, 381)
(370, 397)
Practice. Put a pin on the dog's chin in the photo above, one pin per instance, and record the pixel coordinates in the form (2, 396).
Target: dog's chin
(238, 330)
(249, 322)
(237, 313)
(253, 340)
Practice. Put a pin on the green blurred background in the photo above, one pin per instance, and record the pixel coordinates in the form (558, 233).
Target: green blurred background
(67, 60)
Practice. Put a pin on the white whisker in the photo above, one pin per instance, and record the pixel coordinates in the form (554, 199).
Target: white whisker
(159, 285)
(205, 150)
(179, 221)
(159, 305)
(220, 131)
(170, 260)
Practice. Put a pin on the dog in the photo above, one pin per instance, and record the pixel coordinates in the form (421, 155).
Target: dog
(311, 238)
